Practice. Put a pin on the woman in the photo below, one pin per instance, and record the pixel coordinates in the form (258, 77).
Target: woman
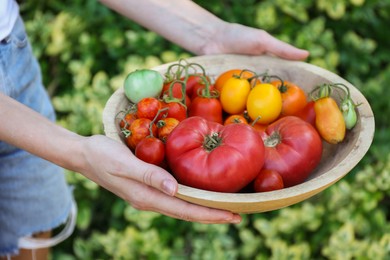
(34, 196)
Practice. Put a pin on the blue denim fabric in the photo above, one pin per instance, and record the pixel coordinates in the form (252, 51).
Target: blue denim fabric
(34, 195)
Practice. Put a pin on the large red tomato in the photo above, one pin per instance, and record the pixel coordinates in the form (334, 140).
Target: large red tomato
(293, 148)
(207, 155)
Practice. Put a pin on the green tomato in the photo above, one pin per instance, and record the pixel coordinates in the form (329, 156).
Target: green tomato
(143, 83)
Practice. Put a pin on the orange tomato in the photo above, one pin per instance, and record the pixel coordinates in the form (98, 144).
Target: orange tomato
(222, 78)
(329, 120)
(235, 119)
(165, 126)
(293, 97)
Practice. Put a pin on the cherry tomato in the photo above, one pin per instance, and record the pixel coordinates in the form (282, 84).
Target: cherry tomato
(128, 120)
(264, 103)
(148, 107)
(329, 120)
(165, 127)
(235, 119)
(268, 180)
(293, 97)
(234, 95)
(199, 90)
(150, 150)
(175, 90)
(195, 82)
(175, 109)
(308, 114)
(139, 129)
(293, 148)
(206, 107)
(223, 77)
(210, 156)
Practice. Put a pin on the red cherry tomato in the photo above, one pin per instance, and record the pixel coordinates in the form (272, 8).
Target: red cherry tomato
(150, 150)
(148, 108)
(175, 91)
(268, 180)
(208, 108)
(194, 82)
(175, 110)
(308, 113)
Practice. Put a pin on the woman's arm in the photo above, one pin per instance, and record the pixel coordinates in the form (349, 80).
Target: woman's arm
(197, 30)
(104, 161)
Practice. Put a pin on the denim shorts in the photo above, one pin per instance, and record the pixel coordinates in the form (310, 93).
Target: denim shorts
(34, 195)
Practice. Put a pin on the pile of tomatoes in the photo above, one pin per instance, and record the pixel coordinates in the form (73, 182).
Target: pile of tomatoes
(245, 131)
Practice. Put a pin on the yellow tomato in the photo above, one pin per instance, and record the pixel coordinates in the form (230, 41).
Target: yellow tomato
(234, 94)
(223, 77)
(264, 103)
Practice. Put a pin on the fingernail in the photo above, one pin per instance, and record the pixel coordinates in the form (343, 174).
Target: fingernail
(236, 219)
(169, 187)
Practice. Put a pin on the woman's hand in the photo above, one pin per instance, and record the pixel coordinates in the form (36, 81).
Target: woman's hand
(146, 187)
(239, 39)
(104, 161)
(201, 32)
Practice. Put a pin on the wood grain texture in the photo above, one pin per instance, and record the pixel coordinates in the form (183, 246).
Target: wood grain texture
(336, 162)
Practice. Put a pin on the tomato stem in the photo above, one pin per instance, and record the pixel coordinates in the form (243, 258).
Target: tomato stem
(154, 120)
(212, 141)
(273, 140)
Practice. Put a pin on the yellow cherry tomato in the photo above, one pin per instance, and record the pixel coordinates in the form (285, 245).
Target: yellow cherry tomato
(264, 103)
(234, 94)
(223, 77)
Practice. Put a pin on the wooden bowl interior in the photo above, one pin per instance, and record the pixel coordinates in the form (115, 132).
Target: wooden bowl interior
(336, 162)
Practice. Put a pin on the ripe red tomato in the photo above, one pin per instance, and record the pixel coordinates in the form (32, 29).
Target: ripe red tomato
(308, 113)
(268, 180)
(150, 150)
(176, 91)
(210, 156)
(139, 129)
(293, 148)
(148, 108)
(195, 82)
(175, 109)
(208, 108)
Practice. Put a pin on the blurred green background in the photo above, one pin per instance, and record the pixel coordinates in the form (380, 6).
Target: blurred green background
(86, 50)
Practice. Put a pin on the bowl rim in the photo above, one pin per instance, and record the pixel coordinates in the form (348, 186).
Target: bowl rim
(301, 191)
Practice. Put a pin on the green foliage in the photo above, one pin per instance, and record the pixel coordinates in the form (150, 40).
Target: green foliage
(86, 50)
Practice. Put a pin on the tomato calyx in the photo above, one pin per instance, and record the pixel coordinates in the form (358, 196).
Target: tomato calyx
(212, 141)
(273, 140)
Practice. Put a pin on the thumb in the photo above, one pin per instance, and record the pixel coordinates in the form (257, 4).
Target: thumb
(151, 175)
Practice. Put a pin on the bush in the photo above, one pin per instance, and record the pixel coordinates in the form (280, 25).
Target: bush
(86, 50)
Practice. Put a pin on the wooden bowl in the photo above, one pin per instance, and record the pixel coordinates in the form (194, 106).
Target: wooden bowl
(336, 162)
